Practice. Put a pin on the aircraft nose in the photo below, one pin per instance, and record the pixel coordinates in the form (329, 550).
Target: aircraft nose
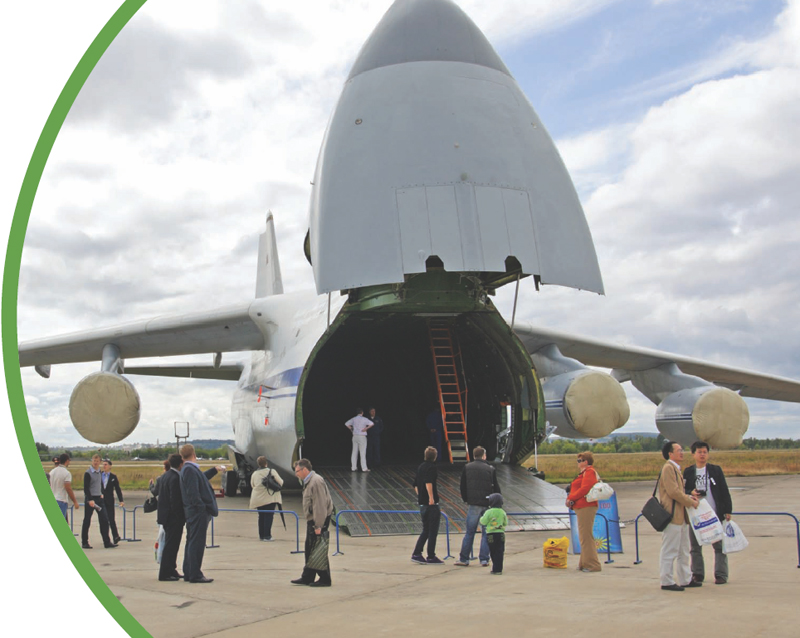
(425, 30)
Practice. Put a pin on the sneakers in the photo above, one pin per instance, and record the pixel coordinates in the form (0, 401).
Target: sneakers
(461, 563)
(418, 558)
(435, 560)
(486, 564)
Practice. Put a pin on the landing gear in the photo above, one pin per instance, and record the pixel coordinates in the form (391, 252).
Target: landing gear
(231, 482)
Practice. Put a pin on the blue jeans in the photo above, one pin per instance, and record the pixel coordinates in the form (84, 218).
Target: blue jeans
(63, 506)
(474, 514)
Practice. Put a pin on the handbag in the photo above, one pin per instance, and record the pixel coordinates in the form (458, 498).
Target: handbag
(151, 505)
(318, 556)
(600, 491)
(733, 539)
(655, 513)
(270, 483)
(160, 543)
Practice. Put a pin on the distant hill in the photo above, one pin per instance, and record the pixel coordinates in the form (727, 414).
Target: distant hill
(211, 444)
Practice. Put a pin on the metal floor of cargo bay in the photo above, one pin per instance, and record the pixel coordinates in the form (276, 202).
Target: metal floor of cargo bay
(391, 488)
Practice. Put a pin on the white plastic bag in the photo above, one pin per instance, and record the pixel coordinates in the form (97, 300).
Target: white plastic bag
(160, 543)
(705, 523)
(733, 539)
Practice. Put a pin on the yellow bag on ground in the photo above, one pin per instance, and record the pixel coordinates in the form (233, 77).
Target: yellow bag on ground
(555, 552)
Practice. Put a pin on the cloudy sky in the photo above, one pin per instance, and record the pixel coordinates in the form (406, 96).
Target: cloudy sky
(678, 120)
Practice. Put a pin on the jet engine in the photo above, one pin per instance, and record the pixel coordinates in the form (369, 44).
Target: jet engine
(585, 404)
(690, 408)
(715, 415)
(580, 402)
(104, 407)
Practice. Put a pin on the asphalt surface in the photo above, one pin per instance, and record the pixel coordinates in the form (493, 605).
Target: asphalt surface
(378, 591)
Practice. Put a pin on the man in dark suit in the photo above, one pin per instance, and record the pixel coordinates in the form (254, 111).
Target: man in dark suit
(110, 485)
(199, 505)
(172, 517)
(93, 497)
(705, 480)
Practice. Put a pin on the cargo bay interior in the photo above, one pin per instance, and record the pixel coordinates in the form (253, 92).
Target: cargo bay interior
(385, 360)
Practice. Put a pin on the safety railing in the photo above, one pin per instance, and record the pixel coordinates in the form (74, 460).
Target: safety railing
(338, 514)
(792, 516)
(262, 513)
(566, 514)
(124, 536)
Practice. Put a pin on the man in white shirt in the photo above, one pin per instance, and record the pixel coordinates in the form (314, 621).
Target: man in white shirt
(359, 425)
(61, 484)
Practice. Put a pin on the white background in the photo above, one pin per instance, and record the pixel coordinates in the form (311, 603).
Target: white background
(41, 43)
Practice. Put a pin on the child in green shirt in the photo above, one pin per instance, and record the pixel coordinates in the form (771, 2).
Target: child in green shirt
(495, 521)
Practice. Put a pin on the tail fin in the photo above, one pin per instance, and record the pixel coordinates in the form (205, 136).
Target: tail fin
(268, 277)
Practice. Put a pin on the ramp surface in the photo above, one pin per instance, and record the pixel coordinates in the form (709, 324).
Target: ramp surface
(528, 499)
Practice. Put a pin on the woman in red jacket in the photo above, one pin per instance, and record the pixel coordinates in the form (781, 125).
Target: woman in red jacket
(585, 511)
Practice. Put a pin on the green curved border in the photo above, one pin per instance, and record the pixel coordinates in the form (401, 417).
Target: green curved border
(19, 225)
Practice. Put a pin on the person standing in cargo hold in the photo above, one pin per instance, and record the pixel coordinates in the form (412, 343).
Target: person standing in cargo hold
(585, 512)
(374, 439)
(359, 425)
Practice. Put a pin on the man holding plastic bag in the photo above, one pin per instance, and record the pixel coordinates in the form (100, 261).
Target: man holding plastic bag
(706, 481)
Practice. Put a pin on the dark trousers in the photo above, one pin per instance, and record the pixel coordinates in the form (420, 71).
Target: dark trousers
(497, 549)
(169, 555)
(112, 521)
(373, 449)
(698, 566)
(431, 515)
(196, 530)
(265, 520)
(102, 516)
(309, 575)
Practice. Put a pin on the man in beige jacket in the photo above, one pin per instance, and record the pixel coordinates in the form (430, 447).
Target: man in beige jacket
(675, 539)
(318, 508)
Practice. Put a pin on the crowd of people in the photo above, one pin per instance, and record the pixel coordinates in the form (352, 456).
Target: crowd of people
(187, 500)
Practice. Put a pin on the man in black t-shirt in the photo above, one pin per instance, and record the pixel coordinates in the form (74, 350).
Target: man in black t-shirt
(428, 499)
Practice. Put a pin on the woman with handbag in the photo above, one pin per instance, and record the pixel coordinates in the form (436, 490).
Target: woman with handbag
(263, 498)
(585, 511)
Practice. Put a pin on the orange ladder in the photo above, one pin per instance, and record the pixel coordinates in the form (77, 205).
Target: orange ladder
(452, 399)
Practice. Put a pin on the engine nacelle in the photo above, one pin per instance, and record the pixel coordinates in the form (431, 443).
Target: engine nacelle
(104, 407)
(585, 404)
(712, 414)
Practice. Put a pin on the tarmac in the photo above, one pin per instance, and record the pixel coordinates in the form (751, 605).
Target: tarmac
(378, 591)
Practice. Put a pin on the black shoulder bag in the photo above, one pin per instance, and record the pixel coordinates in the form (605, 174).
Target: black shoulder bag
(655, 513)
(270, 483)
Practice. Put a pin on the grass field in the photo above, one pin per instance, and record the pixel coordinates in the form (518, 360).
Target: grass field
(132, 475)
(562, 468)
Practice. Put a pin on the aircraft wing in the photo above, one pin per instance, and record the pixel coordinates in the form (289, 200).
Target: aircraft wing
(593, 352)
(226, 372)
(228, 329)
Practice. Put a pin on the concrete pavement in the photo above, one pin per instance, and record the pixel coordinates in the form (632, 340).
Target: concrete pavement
(378, 591)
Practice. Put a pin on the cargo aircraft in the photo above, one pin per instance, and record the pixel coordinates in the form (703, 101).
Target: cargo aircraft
(435, 159)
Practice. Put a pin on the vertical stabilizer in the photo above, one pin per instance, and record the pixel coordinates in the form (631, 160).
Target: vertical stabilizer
(268, 277)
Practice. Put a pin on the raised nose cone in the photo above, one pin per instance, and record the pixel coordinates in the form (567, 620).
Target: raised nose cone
(426, 31)
(434, 157)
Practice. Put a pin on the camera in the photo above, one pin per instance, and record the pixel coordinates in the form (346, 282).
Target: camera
(701, 493)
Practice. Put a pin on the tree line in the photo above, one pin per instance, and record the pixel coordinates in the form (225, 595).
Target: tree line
(629, 444)
(46, 452)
